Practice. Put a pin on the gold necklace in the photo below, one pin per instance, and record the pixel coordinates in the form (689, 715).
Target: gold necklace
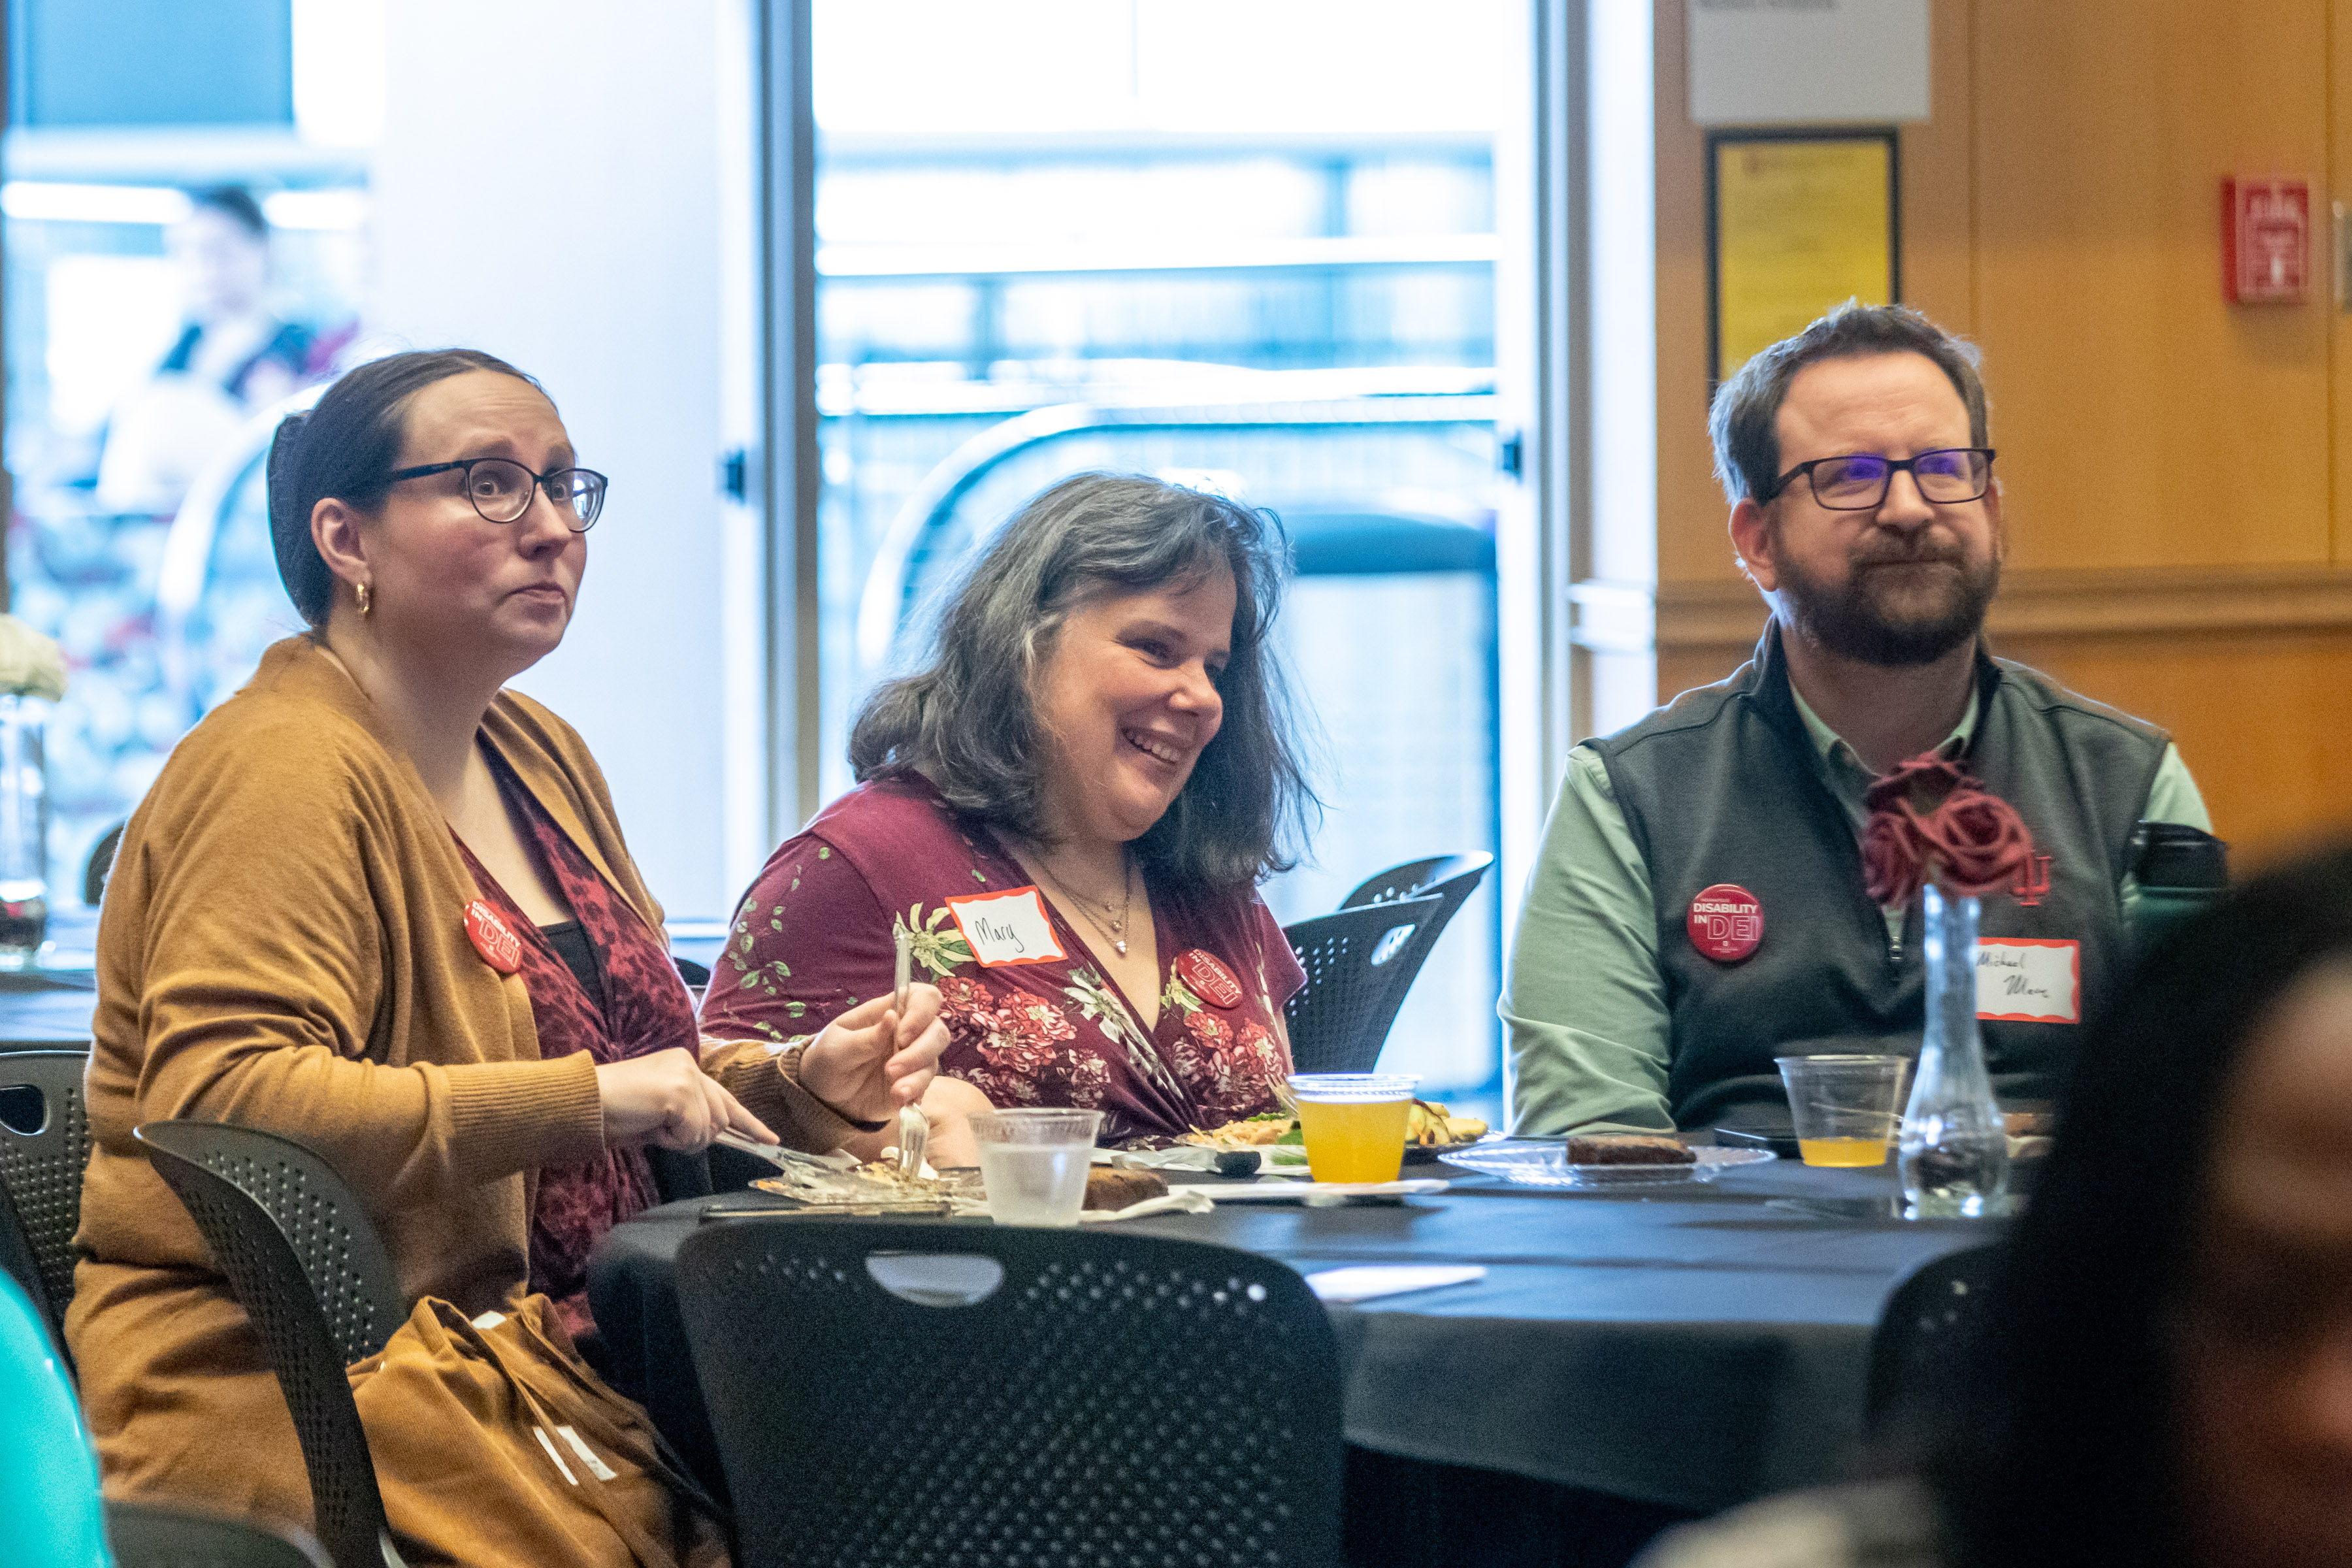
(1114, 933)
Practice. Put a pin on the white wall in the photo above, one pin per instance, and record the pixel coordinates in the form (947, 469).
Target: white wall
(548, 189)
(1622, 138)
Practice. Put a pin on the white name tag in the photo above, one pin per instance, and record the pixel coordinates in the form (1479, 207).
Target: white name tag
(2023, 980)
(1006, 928)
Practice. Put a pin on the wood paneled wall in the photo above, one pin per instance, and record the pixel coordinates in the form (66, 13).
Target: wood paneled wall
(2177, 470)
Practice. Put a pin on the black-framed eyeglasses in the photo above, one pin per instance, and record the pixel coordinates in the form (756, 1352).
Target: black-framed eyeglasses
(500, 489)
(1858, 481)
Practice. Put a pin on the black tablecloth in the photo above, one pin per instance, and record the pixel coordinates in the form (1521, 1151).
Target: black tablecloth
(1692, 1349)
(52, 1005)
(32, 1015)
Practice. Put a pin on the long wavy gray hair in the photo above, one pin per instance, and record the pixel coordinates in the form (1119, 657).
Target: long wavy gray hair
(968, 719)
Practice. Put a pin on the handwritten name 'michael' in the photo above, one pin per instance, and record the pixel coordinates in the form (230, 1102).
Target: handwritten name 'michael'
(2016, 983)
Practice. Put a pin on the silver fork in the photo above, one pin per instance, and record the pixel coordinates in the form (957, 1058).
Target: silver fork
(914, 1139)
(914, 1132)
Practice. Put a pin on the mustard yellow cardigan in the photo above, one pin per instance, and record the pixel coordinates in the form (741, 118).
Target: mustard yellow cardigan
(282, 945)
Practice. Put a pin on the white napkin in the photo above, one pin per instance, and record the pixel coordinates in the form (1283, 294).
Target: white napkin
(1364, 1281)
(1176, 1200)
(1274, 1159)
(1281, 1189)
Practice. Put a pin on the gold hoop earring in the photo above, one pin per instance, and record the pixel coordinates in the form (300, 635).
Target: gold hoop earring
(362, 590)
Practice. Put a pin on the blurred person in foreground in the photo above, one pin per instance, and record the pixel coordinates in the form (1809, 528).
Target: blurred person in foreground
(233, 357)
(1698, 905)
(50, 1513)
(2163, 1374)
(1068, 810)
(380, 904)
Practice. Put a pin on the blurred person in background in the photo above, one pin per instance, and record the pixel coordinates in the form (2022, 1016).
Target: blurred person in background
(233, 358)
(379, 904)
(1067, 810)
(2162, 1376)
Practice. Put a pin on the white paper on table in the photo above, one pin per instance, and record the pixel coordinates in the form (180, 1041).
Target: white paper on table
(1176, 1200)
(1364, 1281)
(1282, 1189)
(1274, 1159)
(1180, 1157)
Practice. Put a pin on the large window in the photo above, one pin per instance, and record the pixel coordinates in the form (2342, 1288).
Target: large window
(1243, 247)
(186, 253)
(157, 327)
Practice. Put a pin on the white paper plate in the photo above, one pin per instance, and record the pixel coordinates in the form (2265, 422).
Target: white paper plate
(1538, 1164)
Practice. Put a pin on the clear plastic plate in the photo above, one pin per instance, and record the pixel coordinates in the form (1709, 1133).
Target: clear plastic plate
(1532, 1162)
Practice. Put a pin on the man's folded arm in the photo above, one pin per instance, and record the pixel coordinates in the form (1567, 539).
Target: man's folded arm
(1585, 1002)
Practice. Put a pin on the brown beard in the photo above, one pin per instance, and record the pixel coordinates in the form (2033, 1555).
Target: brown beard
(1851, 619)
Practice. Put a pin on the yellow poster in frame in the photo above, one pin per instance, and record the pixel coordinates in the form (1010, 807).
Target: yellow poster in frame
(1800, 223)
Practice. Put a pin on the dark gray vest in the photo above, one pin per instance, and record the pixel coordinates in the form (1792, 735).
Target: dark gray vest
(1722, 785)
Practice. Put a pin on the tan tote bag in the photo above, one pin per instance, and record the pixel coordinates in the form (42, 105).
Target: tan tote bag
(496, 1447)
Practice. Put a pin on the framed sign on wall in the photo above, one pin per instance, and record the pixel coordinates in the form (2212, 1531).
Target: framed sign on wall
(1798, 221)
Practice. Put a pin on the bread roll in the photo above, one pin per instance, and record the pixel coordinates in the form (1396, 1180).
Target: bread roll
(1110, 1187)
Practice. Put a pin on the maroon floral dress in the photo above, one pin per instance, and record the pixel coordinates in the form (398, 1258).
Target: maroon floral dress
(646, 1008)
(814, 936)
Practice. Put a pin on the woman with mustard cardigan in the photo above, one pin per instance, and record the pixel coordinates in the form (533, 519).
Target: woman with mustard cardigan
(377, 903)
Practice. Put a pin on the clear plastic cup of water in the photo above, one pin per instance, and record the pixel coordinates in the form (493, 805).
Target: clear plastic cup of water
(1035, 1163)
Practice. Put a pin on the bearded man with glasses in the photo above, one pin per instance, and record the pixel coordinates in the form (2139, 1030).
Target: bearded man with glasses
(1698, 907)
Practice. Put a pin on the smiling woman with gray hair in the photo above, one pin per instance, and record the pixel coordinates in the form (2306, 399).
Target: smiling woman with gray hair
(1067, 810)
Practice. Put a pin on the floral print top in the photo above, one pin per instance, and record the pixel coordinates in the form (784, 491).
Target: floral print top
(815, 934)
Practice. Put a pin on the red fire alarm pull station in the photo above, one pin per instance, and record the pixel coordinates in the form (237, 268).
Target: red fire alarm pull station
(2266, 240)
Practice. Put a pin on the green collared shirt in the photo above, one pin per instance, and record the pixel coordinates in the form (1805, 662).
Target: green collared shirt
(1586, 999)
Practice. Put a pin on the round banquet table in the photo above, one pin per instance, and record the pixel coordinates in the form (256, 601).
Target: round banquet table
(1689, 1347)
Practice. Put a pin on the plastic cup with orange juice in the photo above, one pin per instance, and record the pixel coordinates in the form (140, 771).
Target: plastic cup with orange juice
(1846, 1108)
(1353, 1123)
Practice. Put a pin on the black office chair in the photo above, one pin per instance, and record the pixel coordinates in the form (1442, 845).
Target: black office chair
(1121, 1401)
(1453, 878)
(304, 1261)
(1360, 964)
(44, 1144)
(1924, 1330)
(101, 864)
(145, 1536)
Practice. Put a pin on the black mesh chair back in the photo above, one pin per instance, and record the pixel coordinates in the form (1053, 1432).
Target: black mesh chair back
(1453, 878)
(44, 1144)
(1916, 1352)
(897, 1394)
(101, 864)
(1360, 964)
(304, 1261)
(145, 1536)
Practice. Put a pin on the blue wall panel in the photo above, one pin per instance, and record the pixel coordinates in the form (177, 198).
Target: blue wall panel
(151, 62)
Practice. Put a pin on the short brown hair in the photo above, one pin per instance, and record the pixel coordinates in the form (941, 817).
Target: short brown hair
(1745, 420)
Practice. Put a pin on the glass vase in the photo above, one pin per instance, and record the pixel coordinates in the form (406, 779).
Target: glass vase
(1954, 1150)
(24, 832)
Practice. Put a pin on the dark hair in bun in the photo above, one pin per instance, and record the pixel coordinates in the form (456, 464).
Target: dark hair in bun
(343, 448)
(234, 203)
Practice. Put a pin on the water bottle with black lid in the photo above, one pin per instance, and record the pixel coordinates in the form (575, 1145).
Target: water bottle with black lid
(2180, 869)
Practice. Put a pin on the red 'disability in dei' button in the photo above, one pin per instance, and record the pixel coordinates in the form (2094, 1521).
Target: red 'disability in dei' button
(1209, 979)
(1726, 922)
(499, 947)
